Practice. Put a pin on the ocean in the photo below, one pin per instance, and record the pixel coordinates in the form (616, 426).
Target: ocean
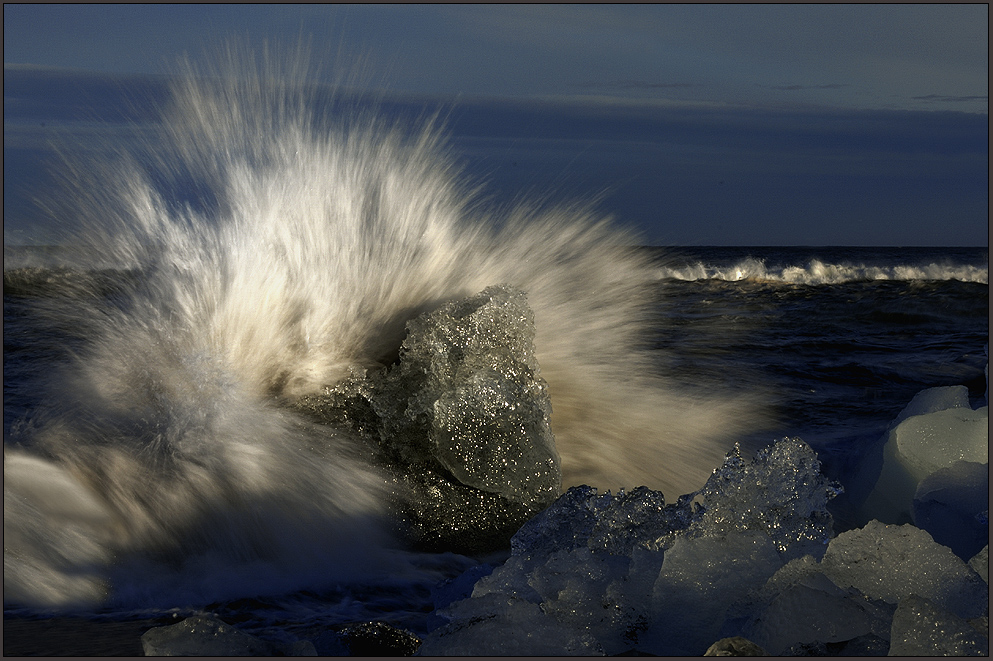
(842, 338)
(289, 370)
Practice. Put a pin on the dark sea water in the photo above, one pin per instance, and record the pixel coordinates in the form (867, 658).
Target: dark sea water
(839, 339)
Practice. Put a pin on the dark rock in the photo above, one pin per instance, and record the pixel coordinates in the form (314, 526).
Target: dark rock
(735, 646)
(378, 639)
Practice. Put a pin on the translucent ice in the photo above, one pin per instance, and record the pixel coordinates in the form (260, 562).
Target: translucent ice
(949, 504)
(630, 572)
(206, 635)
(890, 563)
(932, 400)
(464, 422)
(700, 578)
(468, 377)
(781, 493)
(614, 523)
(807, 608)
(921, 628)
(497, 625)
(919, 446)
(981, 563)
(461, 422)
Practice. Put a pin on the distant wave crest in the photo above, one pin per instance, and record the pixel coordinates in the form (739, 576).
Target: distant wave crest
(816, 272)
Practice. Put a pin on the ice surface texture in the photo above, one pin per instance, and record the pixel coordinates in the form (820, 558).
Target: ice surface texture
(752, 554)
(461, 421)
(632, 572)
(935, 470)
(207, 635)
(922, 629)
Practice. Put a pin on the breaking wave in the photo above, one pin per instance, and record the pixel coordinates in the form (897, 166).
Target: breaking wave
(817, 272)
(280, 247)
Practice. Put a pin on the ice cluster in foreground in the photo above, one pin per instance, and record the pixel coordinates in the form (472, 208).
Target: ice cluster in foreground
(935, 470)
(750, 555)
(753, 555)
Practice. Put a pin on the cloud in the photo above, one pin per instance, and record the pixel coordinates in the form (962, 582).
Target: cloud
(951, 99)
(793, 88)
(637, 84)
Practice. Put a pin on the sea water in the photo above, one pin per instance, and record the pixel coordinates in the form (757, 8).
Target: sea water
(159, 453)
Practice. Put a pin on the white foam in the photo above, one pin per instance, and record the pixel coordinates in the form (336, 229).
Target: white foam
(319, 235)
(817, 272)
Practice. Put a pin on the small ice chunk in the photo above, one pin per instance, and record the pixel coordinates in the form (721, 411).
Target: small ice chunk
(582, 517)
(735, 646)
(892, 562)
(576, 587)
(565, 524)
(781, 492)
(919, 446)
(207, 635)
(815, 610)
(498, 625)
(981, 563)
(947, 504)
(932, 400)
(701, 577)
(921, 628)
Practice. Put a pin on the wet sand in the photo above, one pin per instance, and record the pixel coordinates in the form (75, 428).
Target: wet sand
(73, 636)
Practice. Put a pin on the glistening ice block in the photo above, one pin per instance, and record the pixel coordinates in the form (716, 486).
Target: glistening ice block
(461, 422)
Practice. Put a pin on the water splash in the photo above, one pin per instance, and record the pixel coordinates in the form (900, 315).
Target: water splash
(282, 245)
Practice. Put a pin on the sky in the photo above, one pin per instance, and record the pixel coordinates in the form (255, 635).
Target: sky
(695, 124)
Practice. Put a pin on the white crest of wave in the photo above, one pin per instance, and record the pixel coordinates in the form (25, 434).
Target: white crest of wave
(319, 238)
(818, 272)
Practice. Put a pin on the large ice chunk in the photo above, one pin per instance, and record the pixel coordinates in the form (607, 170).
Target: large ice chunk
(700, 578)
(932, 400)
(468, 379)
(920, 628)
(952, 504)
(917, 447)
(892, 562)
(461, 422)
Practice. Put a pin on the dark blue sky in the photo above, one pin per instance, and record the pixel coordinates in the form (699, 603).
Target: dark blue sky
(697, 124)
